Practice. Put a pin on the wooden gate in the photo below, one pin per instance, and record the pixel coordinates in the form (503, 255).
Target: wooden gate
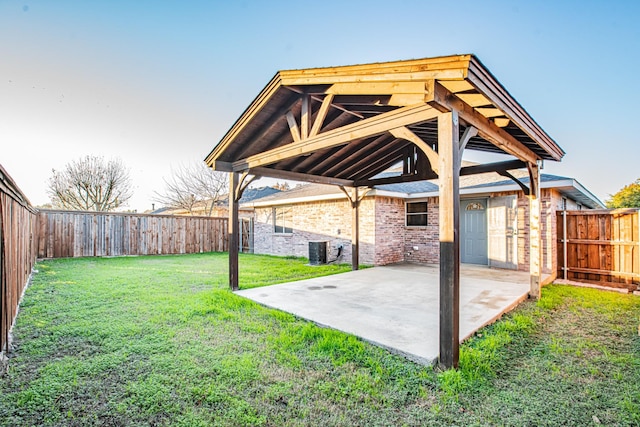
(600, 246)
(246, 235)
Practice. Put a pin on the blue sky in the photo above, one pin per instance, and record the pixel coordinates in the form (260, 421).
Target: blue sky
(158, 83)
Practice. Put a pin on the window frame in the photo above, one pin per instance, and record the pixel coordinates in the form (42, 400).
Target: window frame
(286, 213)
(408, 214)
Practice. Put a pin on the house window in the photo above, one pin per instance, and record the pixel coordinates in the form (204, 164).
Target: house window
(475, 206)
(416, 214)
(282, 219)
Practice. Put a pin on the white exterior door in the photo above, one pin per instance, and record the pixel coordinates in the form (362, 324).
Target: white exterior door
(503, 232)
(473, 231)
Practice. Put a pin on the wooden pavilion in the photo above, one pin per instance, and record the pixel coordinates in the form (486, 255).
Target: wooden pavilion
(345, 125)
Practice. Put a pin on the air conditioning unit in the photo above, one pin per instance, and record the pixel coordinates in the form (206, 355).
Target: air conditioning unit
(318, 252)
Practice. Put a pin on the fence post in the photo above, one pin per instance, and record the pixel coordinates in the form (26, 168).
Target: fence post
(564, 244)
(637, 271)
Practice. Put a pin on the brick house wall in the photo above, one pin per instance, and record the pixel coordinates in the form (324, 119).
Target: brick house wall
(328, 220)
(384, 237)
(389, 230)
(422, 244)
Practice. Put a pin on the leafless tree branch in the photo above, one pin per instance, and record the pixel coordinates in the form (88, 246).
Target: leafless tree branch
(91, 183)
(191, 186)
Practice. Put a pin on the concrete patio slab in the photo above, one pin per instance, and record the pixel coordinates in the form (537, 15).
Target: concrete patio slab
(397, 306)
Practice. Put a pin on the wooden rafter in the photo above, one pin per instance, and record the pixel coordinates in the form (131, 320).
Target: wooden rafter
(379, 165)
(322, 114)
(373, 159)
(293, 126)
(482, 79)
(351, 153)
(492, 167)
(267, 129)
(305, 117)
(497, 167)
(362, 129)
(334, 156)
(295, 176)
(400, 179)
(486, 129)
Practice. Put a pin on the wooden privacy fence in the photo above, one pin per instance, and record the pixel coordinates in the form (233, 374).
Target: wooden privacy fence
(65, 234)
(17, 251)
(600, 246)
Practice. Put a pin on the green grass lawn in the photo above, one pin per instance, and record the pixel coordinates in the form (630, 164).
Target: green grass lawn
(161, 341)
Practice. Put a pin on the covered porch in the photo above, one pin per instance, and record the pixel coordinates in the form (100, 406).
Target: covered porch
(346, 125)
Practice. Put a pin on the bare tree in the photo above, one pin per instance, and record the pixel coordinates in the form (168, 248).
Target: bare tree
(194, 185)
(91, 183)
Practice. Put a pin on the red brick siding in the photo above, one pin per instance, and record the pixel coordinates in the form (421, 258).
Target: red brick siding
(323, 220)
(389, 230)
(421, 244)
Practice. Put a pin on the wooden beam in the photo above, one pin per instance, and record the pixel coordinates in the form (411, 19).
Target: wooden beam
(497, 167)
(474, 99)
(296, 176)
(355, 198)
(521, 184)
(237, 184)
(365, 128)
(405, 133)
(393, 180)
(308, 79)
(355, 230)
(449, 228)
(535, 237)
(501, 122)
(293, 126)
(493, 167)
(447, 101)
(378, 88)
(469, 133)
(305, 117)
(233, 231)
(245, 181)
(322, 114)
(490, 112)
(221, 166)
(398, 93)
(457, 85)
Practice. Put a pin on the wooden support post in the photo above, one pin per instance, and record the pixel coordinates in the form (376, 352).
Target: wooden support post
(355, 198)
(355, 230)
(449, 214)
(233, 228)
(535, 237)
